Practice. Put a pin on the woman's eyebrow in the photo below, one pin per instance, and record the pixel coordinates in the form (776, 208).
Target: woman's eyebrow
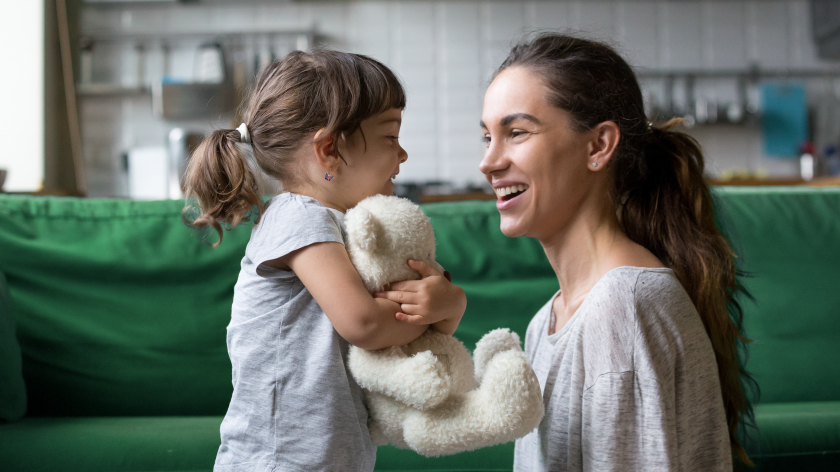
(516, 116)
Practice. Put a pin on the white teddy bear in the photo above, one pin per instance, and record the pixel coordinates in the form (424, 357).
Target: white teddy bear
(427, 396)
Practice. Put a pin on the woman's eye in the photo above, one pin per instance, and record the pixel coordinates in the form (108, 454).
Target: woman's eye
(516, 133)
(485, 139)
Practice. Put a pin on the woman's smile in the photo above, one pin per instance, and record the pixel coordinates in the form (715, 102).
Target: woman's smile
(509, 194)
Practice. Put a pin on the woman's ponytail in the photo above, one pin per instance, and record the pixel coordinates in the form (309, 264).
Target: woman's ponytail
(221, 180)
(665, 204)
(662, 199)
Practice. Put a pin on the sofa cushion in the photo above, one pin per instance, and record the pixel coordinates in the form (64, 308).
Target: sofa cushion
(12, 388)
(173, 444)
(141, 444)
(794, 436)
(797, 436)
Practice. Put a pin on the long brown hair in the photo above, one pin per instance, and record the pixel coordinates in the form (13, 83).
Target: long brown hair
(292, 99)
(661, 196)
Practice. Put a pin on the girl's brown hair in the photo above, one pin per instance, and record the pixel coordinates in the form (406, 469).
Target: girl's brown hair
(662, 199)
(292, 99)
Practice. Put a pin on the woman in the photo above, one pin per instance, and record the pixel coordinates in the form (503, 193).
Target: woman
(637, 353)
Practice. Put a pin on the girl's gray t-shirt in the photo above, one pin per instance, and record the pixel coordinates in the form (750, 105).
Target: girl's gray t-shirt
(630, 383)
(295, 406)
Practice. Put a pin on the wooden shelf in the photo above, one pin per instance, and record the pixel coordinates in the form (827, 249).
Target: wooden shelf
(756, 182)
(110, 90)
(740, 181)
(457, 197)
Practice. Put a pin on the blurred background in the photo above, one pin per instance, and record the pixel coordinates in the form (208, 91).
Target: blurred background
(106, 98)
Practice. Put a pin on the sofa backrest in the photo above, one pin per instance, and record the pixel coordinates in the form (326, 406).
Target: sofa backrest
(122, 309)
(788, 243)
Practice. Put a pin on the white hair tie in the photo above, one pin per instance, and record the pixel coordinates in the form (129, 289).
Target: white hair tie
(244, 137)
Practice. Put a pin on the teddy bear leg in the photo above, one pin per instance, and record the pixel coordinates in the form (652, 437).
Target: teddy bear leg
(507, 406)
(386, 420)
(492, 343)
(453, 355)
(420, 381)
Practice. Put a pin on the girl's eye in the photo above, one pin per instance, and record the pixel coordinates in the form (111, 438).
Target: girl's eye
(393, 137)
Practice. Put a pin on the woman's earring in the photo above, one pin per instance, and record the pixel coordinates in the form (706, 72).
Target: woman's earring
(328, 176)
(594, 164)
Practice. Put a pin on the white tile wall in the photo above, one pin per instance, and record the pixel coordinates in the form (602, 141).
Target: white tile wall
(446, 52)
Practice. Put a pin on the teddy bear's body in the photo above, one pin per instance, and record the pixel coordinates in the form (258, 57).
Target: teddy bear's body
(430, 395)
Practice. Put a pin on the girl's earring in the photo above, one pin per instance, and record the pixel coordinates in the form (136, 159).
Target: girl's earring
(328, 176)
(594, 164)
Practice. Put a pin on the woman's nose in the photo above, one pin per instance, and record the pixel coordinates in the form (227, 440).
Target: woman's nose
(493, 160)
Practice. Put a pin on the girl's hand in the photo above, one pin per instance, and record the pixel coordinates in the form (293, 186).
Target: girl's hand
(432, 300)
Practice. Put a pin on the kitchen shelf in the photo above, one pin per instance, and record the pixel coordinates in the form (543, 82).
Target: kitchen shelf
(110, 37)
(750, 73)
(110, 90)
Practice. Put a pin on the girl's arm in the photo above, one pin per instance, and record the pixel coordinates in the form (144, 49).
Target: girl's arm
(364, 321)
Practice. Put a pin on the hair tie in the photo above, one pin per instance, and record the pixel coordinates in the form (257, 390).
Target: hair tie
(244, 137)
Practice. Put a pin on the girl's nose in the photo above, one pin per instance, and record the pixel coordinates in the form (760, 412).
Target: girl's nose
(403, 155)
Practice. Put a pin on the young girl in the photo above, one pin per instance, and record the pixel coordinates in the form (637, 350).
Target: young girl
(326, 124)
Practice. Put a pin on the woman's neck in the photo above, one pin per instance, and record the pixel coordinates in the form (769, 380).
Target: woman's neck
(583, 251)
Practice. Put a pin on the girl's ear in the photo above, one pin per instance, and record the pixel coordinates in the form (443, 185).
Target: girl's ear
(364, 228)
(325, 151)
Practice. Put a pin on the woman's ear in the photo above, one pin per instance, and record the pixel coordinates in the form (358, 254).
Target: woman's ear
(325, 151)
(604, 142)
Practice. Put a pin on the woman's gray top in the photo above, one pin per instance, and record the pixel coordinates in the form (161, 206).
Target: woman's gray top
(295, 407)
(630, 383)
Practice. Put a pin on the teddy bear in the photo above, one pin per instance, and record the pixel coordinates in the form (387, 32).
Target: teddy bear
(430, 395)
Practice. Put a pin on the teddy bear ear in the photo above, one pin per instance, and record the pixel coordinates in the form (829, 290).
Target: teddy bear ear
(365, 229)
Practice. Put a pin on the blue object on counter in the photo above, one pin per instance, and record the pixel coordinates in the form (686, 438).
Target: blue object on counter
(784, 119)
(171, 80)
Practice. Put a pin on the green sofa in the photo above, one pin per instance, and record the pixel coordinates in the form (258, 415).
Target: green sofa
(121, 310)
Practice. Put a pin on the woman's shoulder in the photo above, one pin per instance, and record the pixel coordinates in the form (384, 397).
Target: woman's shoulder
(631, 285)
(638, 293)
(663, 315)
(624, 295)
(616, 293)
(659, 295)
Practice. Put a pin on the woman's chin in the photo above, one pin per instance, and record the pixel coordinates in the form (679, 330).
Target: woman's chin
(512, 227)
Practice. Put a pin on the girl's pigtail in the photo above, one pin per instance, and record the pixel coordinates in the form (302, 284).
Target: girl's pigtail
(221, 180)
